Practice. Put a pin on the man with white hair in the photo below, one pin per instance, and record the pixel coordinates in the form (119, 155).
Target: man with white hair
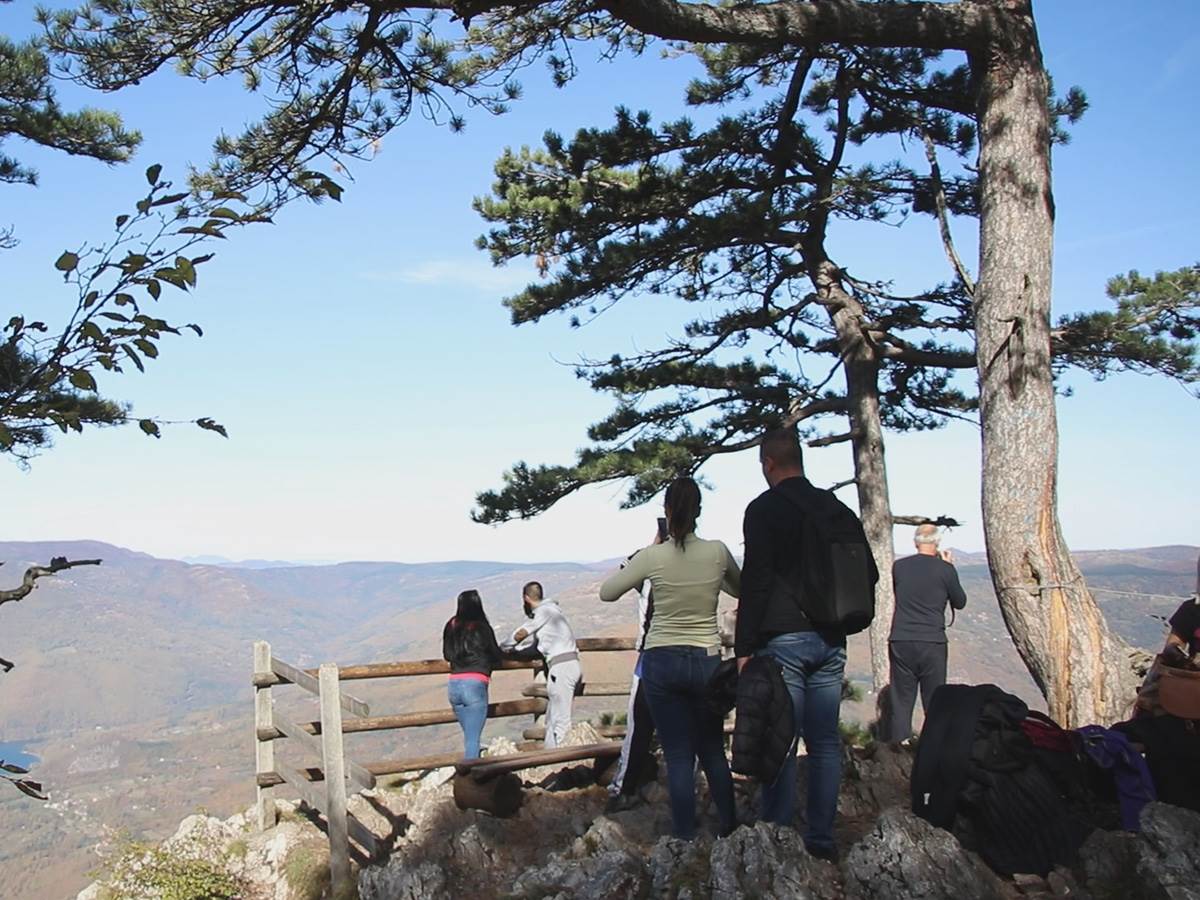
(924, 584)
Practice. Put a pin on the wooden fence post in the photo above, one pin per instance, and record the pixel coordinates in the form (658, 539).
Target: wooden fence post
(333, 763)
(264, 751)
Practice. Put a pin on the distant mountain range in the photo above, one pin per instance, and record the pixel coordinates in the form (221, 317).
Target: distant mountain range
(132, 677)
(159, 637)
(138, 637)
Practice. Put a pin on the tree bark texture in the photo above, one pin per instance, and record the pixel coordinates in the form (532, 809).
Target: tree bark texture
(866, 427)
(1054, 621)
(874, 503)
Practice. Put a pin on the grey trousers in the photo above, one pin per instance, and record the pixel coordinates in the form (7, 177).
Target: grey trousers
(560, 685)
(913, 664)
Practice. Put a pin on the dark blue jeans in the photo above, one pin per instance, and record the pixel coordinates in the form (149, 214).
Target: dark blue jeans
(675, 680)
(812, 670)
(469, 700)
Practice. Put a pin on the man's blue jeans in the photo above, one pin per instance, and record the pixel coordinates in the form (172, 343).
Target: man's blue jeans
(812, 670)
(675, 680)
(469, 700)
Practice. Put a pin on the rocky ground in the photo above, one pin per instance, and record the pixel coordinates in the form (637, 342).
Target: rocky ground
(562, 845)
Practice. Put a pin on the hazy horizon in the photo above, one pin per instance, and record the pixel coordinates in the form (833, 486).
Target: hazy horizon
(902, 549)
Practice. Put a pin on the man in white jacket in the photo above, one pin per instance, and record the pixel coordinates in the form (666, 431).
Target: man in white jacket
(556, 643)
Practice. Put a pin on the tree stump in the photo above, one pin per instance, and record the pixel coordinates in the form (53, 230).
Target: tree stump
(500, 796)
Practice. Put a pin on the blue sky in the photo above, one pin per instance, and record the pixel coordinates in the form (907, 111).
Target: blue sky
(371, 381)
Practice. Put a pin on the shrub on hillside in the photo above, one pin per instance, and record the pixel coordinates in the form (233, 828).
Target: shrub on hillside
(193, 866)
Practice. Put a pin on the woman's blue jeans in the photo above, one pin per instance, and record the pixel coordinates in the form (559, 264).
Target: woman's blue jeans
(812, 671)
(675, 680)
(469, 700)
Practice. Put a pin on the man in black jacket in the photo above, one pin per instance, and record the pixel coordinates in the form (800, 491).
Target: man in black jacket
(771, 621)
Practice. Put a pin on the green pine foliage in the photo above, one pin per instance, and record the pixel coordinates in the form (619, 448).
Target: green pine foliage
(337, 77)
(29, 110)
(734, 220)
(1151, 330)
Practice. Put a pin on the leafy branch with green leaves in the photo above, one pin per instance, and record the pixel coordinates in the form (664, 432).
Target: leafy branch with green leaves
(48, 376)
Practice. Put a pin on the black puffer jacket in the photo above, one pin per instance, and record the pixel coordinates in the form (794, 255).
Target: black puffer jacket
(765, 730)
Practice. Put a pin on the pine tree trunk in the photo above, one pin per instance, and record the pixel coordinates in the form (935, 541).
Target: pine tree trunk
(1054, 621)
(874, 504)
(866, 427)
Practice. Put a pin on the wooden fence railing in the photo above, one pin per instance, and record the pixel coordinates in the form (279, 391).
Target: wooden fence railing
(324, 738)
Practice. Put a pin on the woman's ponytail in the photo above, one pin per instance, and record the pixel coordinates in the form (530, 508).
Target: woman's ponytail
(683, 508)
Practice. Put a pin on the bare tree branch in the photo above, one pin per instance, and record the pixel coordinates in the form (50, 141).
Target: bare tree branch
(940, 521)
(33, 573)
(831, 439)
(939, 199)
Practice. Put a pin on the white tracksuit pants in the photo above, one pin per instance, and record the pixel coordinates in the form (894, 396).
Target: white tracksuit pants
(560, 685)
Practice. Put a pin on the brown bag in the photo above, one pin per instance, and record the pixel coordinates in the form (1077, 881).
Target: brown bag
(1179, 692)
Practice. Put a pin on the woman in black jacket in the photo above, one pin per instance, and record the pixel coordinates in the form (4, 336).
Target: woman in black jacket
(469, 645)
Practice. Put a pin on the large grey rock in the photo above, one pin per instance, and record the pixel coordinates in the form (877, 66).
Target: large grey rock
(679, 869)
(605, 876)
(874, 779)
(1159, 863)
(605, 834)
(769, 861)
(1169, 853)
(1108, 864)
(426, 881)
(905, 857)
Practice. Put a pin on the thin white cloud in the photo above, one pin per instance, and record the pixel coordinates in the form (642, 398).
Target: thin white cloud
(1178, 63)
(474, 273)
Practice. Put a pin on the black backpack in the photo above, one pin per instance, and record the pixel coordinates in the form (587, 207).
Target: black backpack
(839, 569)
(978, 774)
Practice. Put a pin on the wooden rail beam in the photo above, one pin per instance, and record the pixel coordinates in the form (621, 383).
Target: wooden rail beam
(590, 689)
(359, 776)
(538, 732)
(399, 766)
(302, 679)
(441, 667)
(483, 769)
(502, 709)
(378, 769)
(296, 779)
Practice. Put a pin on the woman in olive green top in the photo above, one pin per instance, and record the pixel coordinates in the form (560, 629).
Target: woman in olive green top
(682, 651)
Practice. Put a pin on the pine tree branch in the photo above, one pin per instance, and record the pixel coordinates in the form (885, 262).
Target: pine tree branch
(935, 26)
(892, 347)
